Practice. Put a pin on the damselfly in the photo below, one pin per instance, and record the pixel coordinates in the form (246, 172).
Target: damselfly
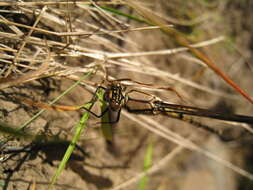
(116, 98)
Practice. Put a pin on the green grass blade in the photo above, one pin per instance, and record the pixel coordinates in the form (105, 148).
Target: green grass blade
(106, 127)
(55, 100)
(147, 165)
(11, 130)
(79, 128)
(117, 12)
(2, 183)
(3, 126)
(15, 132)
